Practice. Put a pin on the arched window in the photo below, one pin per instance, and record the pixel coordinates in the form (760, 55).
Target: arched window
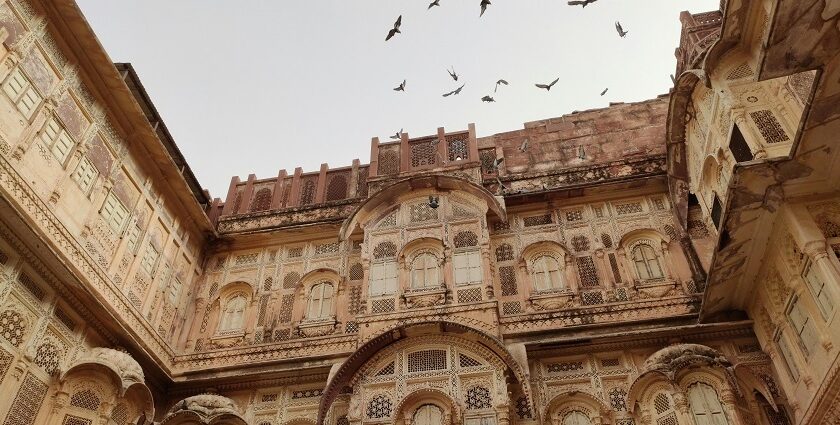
(233, 316)
(547, 275)
(647, 264)
(428, 414)
(705, 405)
(424, 271)
(576, 417)
(320, 301)
(383, 272)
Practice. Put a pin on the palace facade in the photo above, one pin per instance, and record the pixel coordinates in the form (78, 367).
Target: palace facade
(672, 261)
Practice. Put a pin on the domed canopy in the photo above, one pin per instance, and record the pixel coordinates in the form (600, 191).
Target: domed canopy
(675, 357)
(119, 362)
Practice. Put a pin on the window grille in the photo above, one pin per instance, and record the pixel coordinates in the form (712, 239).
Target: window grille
(262, 200)
(337, 186)
(385, 249)
(387, 370)
(295, 252)
(628, 208)
(268, 283)
(472, 295)
(501, 226)
(355, 300)
(511, 307)
(29, 284)
(426, 360)
(357, 272)
(361, 183)
(13, 327)
(504, 252)
(48, 357)
(379, 407)
(290, 280)
(741, 71)
(261, 313)
(587, 272)
(580, 243)
(507, 280)
(389, 221)
(465, 239)
(659, 204)
(523, 408)
(268, 398)
(606, 240)
(661, 403)
(467, 361)
(537, 220)
(592, 298)
(418, 213)
(307, 192)
(618, 399)
(351, 327)
(458, 147)
(574, 215)
(769, 127)
(86, 399)
(478, 397)
(385, 305)
(327, 248)
(64, 318)
(27, 401)
(487, 158)
(286, 304)
(307, 393)
(389, 160)
(423, 153)
(610, 362)
(565, 367)
(120, 414)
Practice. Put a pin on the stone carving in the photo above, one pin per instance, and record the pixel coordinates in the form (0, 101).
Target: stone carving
(205, 409)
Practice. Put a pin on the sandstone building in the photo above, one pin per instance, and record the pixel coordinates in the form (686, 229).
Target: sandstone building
(672, 261)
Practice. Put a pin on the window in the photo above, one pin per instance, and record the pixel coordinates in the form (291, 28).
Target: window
(174, 290)
(320, 301)
(547, 275)
(55, 137)
(664, 409)
(803, 326)
(114, 212)
(576, 417)
(818, 290)
(132, 237)
(647, 265)
(424, 271)
(383, 278)
(788, 358)
(233, 316)
(739, 147)
(150, 258)
(85, 174)
(705, 405)
(22, 93)
(428, 414)
(482, 420)
(717, 211)
(467, 267)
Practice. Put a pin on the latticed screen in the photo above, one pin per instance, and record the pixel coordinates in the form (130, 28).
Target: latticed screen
(586, 270)
(48, 357)
(426, 360)
(290, 280)
(389, 160)
(769, 126)
(467, 361)
(86, 399)
(385, 249)
(592, 298)
(458, 147)
(387, 370)
(580, 243)
(337, 186)
(262, 200)
(421, 212)
(471, 295)
(478, 397)
(629, 208)
(606, 240)
(465, 239)
(537, 220)
(487, 157)
(356, 272)
(511, 307)
(379, 407)
(26, 281)
(564, 367)
(12, 327)
(75, 420)
(307, 192)
(423, 153)
(507, 280)
(618, 399)
(504, 252)
(385, 305)
(27, 401)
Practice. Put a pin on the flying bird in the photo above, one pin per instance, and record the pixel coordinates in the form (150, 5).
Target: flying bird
(456, 91)
(483, 4)
(621, 32)
(400, 87)
(433, 4)
(396, 30)
(397, 135)
(497, 85)
(605, 91)
(453, 74)
(524, 146)
(488, 99)
(548, 86)
(581, 3)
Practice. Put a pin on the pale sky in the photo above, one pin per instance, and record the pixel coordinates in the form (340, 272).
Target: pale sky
(254, 86)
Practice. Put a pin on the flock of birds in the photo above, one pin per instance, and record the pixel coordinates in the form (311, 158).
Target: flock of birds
(433, 201)
(488, 98)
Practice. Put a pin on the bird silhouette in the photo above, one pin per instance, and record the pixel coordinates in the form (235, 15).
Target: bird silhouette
(621, 32)
(456, 91)
(497, 85)
(581, 3)
(453, 74)
(433, 4)
(396, 30)
(397, 136)
(524, 146)
(483, 4)
(400, 87)
(548, 86)
(488, 99)
(605, 91)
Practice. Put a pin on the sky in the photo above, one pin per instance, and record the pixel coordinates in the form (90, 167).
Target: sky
(255, 86)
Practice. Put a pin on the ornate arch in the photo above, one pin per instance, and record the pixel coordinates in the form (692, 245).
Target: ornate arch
(393, 193)
(676, 152)
(569, 400)
(411, 402)
(207, 409)
(373, 345)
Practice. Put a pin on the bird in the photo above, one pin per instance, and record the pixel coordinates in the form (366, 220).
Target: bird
(456, 91)
(497, 162)
(581, 3)
(434, 202)
(400, 87)
(605, 91)
(488, 99)
(483, 4)
(397, 135)
(621, 32)
(396, 30)
(524, 146)
(453, 74)
(502, 187)
(497, 85)
(547, 86)
(433, 4)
